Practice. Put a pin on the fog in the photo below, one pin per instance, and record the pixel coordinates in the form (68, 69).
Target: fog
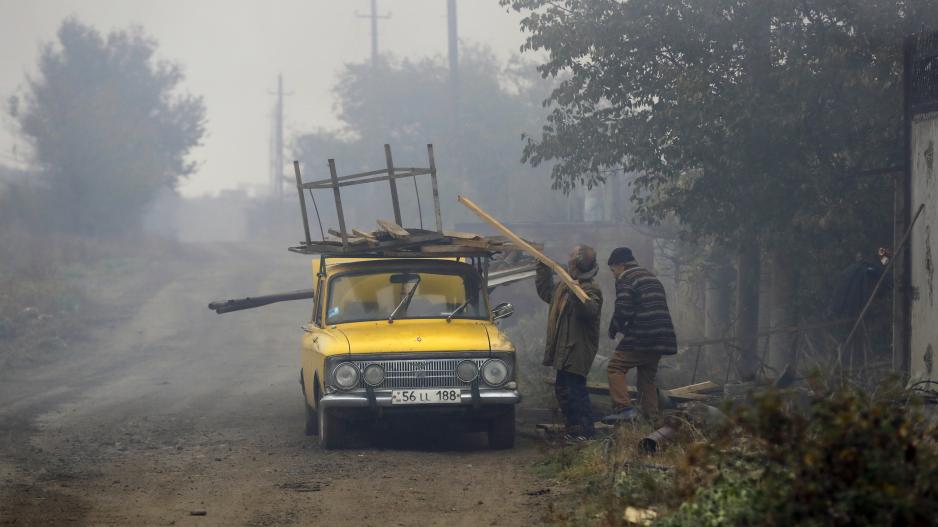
(761, 161)
(232, 53)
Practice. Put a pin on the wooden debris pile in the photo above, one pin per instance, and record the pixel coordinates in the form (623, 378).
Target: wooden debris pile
(392, 240)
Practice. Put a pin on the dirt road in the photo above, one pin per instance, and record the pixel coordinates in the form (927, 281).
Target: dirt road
(168, 409)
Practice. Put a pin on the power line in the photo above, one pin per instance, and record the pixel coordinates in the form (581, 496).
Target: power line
(374, 16)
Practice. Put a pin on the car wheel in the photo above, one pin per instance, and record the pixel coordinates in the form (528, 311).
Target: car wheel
(502, 430)
(312, 420)
(331, 429)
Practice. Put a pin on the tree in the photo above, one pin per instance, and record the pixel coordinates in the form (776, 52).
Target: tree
(749, 120)
(108, 127)
(408, 104)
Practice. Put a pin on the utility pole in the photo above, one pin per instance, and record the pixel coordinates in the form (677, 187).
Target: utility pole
(453, 46)
(374, 16)
(278, 141)
(452, 37)
(276, 144)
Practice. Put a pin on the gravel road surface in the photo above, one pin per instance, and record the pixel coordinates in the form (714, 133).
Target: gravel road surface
(167, 414)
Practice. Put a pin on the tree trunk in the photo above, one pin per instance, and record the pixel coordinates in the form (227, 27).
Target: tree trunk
(717, 303)
(783, 313)
(747, 310)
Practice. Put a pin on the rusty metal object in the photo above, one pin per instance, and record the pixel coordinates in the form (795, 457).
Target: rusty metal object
(237, 304)
(653, 441)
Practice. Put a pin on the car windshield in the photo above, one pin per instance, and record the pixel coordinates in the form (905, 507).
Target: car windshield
(364, 296)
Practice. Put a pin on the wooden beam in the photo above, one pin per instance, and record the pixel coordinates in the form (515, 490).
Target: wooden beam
(700, 387)
(461, 235)
(528, 248)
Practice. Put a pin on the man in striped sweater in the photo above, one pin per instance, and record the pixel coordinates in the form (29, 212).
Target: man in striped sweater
(641, 315)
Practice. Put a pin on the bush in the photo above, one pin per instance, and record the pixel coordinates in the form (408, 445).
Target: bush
(849, 458)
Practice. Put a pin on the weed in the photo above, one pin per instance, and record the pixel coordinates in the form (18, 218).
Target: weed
(845, 458)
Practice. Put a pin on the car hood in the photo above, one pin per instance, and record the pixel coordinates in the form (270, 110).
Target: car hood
(415, 336)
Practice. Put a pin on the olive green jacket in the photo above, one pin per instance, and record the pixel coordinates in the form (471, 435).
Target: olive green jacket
(572, 325)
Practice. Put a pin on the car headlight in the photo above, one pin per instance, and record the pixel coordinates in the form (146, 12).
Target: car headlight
(495, 372)
(345, 376)
(467, 371)
(373, 375)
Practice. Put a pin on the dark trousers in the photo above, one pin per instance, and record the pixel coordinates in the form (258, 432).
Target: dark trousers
(574, 401)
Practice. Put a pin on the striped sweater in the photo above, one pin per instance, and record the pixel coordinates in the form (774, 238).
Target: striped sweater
(641, 313)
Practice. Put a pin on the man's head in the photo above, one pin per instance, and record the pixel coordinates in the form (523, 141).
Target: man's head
(619, 259)
(582, 259)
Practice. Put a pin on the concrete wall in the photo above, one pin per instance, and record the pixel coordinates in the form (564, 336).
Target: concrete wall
(924, 305)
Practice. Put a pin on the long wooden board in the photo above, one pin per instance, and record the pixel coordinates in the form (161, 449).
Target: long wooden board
(681, 394)
(528, 248)
(700, 387)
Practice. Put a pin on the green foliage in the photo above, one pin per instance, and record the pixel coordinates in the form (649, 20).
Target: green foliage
(727, 501)
(749, 120)
(849, 458)
(841, 457)
(108, 127)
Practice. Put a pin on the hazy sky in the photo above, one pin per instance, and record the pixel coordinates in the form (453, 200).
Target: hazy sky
(232, 51)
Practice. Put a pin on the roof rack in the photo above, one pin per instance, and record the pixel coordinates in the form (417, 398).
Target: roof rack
(391, 239)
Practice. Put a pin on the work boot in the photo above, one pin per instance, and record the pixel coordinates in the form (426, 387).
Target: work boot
(625, 415)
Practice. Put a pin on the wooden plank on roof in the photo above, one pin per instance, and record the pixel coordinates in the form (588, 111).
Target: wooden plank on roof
(367, 235)
(393, 229)
(462, 235)
(454, 248)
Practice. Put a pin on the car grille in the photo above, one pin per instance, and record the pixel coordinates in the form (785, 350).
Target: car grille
(417, 373)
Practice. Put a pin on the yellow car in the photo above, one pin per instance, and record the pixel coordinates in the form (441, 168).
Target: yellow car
(406, 336)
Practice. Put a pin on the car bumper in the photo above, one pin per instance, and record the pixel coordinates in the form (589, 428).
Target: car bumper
(383, 399)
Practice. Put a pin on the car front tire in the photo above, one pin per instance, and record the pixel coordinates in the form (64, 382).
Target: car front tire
(331, 429)
(502, 430)
(312, 420)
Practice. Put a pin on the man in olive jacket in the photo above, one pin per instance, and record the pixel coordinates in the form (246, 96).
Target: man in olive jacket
(572, 337)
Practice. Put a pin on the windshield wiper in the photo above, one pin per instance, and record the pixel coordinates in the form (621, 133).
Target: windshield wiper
(404, 301)
(458, 309)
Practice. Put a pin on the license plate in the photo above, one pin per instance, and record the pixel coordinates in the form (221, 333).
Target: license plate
(449, 396)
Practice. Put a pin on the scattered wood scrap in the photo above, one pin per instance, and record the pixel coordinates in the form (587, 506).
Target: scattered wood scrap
(702, 391)
(706, 387)
(553, 430)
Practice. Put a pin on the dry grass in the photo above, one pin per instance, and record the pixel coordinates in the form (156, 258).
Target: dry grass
(51, 285)
(613, 473)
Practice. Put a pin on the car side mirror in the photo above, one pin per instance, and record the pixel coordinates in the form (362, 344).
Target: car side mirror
(503, 310)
